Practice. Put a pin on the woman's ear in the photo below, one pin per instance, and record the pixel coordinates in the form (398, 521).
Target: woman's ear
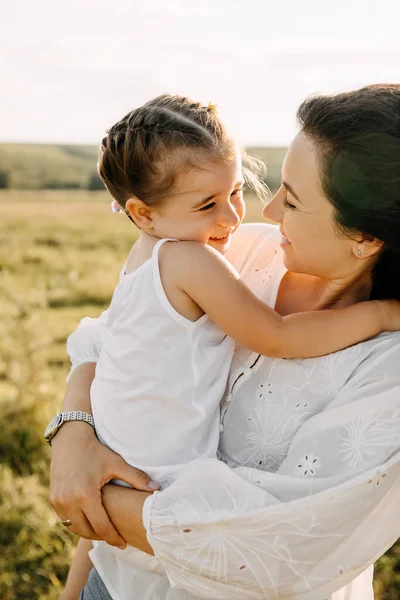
(367, 246)
(140, 213)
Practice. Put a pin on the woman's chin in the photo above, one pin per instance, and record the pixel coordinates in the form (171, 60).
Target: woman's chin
(289, 260)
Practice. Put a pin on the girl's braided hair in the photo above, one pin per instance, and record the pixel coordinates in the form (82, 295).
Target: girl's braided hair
(143, 154)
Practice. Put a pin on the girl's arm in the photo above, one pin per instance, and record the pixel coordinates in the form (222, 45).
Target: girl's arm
(303, 531)
(79, 571)
(85, 343)
(208, 279)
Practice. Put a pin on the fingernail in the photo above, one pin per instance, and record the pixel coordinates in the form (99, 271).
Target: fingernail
(153, 485)
(122, 546)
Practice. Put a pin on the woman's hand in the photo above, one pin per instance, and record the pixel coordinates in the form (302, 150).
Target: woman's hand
(80, 467)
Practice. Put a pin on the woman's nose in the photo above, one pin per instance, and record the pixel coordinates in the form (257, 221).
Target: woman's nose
(273, 211)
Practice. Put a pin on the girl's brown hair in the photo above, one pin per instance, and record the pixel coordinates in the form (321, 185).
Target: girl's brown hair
(144, 152)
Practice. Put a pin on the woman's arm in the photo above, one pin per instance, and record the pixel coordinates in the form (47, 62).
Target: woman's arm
(126, 507)
(208, 279)
(81, 466)
(305, 531)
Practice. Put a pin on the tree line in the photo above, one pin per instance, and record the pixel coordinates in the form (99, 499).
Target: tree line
(94, 183)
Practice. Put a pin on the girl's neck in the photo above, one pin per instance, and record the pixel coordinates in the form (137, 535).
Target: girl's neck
(141, 251)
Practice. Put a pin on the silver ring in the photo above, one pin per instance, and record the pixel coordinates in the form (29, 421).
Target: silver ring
(66, 522)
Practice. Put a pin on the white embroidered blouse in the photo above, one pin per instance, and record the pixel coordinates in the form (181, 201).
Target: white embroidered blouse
(306, 495)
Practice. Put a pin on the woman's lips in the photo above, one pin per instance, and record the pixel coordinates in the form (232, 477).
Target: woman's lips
(284, 241)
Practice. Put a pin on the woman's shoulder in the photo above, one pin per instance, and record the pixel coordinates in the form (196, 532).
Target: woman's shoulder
(253, 240)
(383, 348)
(247, 233)
(371, 367)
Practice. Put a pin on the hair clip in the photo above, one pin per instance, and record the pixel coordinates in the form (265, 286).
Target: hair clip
(115, 207)
(212, 107)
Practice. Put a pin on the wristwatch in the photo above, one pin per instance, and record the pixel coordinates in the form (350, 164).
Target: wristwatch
(60, 418)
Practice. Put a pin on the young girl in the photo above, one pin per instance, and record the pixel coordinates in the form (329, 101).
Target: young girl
(179, 305)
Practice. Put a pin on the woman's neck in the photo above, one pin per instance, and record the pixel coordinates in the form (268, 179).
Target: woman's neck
(299, 292)
(337, 294)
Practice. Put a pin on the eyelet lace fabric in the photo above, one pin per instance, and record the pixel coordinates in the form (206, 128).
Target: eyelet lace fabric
(305, 495)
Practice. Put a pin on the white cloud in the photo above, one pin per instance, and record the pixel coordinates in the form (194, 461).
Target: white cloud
(70, 69)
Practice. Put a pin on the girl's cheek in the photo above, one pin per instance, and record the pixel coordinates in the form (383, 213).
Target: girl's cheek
(242, 209)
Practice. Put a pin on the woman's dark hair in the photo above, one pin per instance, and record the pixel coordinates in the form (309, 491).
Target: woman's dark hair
(144, 152)
(357, 136)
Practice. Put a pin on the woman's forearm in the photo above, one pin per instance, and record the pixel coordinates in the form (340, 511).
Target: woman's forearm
(77, 398)
(81, 466)
(77, 395)
(124, 507)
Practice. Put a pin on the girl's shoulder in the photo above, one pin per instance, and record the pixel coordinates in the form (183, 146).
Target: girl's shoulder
(253, 242)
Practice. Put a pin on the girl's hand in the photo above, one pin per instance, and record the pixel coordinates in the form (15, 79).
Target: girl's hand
(80, 467)
(390, 314)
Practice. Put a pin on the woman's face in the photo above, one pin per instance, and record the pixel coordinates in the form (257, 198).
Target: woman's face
(311, 241)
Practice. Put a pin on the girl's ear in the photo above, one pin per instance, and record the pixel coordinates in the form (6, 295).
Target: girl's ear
(140, 213)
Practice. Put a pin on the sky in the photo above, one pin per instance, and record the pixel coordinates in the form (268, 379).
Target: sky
(71, 68)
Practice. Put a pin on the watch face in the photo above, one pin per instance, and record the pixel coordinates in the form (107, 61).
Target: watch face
(52, 427)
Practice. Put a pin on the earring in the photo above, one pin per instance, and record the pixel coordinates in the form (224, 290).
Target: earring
(358, 252)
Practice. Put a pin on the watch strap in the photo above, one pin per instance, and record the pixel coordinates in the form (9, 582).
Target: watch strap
(60, 418)
(76, 415)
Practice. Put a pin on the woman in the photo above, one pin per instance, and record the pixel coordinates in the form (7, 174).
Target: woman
(306, 494)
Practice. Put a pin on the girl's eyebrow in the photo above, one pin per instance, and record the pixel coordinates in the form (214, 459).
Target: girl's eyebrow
(291, 190)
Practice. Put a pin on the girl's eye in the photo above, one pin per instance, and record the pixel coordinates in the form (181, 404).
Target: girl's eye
(208, 206)
(288, 204)
(236, 192)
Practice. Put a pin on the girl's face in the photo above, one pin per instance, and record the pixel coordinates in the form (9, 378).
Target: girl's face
(206, 206)
(311, 241)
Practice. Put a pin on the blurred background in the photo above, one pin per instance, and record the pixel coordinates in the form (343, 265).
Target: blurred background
(68, 71)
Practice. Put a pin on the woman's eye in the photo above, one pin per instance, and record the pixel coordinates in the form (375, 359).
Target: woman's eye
(237, 192)
(208, 206)
(288, 204)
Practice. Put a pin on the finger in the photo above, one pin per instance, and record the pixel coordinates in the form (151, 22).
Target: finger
(80, 525)
(71, 508)
(136, 478)
(103, 528)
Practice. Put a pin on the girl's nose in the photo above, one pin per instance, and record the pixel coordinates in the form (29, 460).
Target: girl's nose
(229, 216)
(273, 211)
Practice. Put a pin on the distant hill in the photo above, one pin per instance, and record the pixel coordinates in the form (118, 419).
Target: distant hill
(47, 166)
(273, 159)
(38, 166)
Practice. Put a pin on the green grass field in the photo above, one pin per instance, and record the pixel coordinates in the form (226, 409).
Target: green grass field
(38, 166)
(60, 256)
